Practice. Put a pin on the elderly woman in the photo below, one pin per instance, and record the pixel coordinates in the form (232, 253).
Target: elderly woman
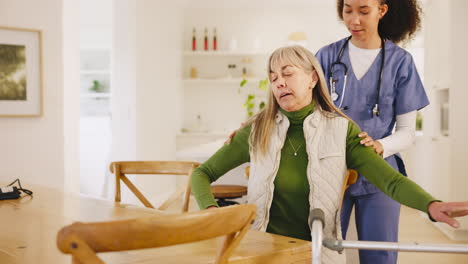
(300, 147)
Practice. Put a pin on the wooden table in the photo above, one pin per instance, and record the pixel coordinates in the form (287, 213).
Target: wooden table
(28, 229)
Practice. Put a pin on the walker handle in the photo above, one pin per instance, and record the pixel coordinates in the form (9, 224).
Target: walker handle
(317, 214)
(317, 223)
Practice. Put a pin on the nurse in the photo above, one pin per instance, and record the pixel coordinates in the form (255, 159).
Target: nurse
(375, 83)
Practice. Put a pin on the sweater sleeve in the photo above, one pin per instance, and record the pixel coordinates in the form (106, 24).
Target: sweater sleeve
(403, 137)
(226, 158)
(370, 165)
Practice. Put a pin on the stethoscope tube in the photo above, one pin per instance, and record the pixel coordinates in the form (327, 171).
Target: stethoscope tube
(334, 95)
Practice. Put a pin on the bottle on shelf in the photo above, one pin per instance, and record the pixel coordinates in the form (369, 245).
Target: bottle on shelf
(206, 39)
(246, 70)
(199, 126)
(215, 41)
(194, 40)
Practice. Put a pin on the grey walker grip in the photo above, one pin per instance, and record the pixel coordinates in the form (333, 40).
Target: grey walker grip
(317, 214)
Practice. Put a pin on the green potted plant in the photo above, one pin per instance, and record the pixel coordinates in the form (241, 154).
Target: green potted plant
(250, 103)
(419, 122)
(97, 87)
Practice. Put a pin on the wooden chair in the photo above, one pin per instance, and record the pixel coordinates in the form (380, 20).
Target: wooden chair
(84, 240)
(223, 192)
(121, 168)
(350, 178)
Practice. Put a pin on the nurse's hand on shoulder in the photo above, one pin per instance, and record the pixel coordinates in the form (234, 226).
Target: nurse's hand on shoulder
(232, 135)
(446, 212)
(368, 141)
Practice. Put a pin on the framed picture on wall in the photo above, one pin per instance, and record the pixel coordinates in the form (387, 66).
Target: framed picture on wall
(20, 72)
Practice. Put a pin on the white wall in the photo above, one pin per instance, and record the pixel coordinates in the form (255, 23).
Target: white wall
(146, 84)
(271, 23)
(123, 103)
(458, 107)
(458, 96)
(159, 58)
(437, 18)
(71, 80)
(96, 23)
(439, 163)
(95, 125)
(123, 81)
(34, 149)
(432, 148)
(158, 85)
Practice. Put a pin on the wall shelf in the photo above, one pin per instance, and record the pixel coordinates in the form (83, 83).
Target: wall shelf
(94, 72)
(204, 134)
(224, 53)
(441, 88)
(226, 81)
(217, 84)
(95, 66)
(95, 95)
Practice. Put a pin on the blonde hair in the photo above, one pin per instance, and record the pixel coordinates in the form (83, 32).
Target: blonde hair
(264, 121)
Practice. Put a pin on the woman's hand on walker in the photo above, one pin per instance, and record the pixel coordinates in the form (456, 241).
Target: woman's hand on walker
(446, 212)
(368, 141)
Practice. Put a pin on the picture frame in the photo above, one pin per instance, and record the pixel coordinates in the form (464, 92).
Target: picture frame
(20, 72)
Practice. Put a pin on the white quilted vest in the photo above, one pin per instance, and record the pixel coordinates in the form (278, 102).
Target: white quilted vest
(326, 147)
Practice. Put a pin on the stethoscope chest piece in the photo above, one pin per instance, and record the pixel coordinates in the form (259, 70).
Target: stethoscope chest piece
(334, 96)
(375, 110)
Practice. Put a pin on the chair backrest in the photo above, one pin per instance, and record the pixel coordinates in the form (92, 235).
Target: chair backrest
(121, 168)
(350, 178)
(84, 240)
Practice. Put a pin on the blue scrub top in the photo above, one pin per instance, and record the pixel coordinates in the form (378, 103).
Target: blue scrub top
(401, 92)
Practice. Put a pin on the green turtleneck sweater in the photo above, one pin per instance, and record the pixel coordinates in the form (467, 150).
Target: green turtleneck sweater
(289, 210)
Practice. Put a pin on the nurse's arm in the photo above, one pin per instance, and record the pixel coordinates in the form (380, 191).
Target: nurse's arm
(404, 136)
(226, 158)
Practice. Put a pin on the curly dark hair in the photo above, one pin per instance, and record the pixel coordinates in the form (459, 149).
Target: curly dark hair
(401, 21)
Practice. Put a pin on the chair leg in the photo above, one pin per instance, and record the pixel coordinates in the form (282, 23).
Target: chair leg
(117, 183)
(76, 261)
(82, 253)
(223, 202)
(231, 241)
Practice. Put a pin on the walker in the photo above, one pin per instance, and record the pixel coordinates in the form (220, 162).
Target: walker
(318, 216)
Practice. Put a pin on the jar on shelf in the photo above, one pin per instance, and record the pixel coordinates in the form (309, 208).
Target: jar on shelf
(231, 70)
(193, 73)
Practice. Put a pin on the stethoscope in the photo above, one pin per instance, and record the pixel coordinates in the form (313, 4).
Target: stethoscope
(334, 94)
